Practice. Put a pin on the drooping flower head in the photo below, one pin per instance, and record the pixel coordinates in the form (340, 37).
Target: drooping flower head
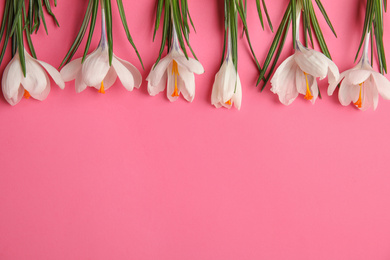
(25, 75)
(298, 73)
(102, 67)
(361, 84)
(176, 70)
(227, 85)
(35, 84)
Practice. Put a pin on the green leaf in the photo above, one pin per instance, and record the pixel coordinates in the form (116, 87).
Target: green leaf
(165, 30)
(280, 48)
(80, 35)
(95, 6)
(318, 32)
(367, 23)
(158, 16)
(268, 18)
(275, 42)
(126, 27)
(322, 9)
(294, 22)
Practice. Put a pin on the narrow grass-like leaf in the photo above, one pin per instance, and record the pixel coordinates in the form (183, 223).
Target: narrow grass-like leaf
(294, 22)
(126, 27)
(95, 6)
(267, 15)
(158, 16)
(318, 32)
(80, 35)
(260, 14)
(242, 15)
(50, 12)
(322, 9)
(279, 51)
(286, 18)
(165, 30)
(367, 23)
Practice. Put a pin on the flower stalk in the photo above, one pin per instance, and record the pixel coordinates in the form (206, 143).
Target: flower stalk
(373, 23)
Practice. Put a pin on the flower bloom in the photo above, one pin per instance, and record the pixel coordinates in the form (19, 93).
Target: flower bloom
(227, 86)
(298, 73)
(35, 84)
(361, 85)
(176, 72)
(96, 71)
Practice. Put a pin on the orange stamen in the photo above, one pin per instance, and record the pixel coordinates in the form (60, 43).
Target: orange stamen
(175, 70)
(229, 102)
(308, 95)
(26, 94)
(101, 90)
(358, 103)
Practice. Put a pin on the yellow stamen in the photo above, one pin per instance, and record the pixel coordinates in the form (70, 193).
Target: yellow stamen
(358, 103)
(229, 102)
(26, 94)
(175, 70)
(101, 90)
(308, 95)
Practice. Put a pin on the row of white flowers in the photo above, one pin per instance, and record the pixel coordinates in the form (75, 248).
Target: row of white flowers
(296, 75)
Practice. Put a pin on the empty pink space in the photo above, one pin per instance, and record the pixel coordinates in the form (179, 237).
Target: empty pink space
(129, 176)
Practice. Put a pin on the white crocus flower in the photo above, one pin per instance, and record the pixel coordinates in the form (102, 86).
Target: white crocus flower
(35, 84)
(176, 72)
(227, 86)
(361, 85)
(298, 73)
(96, 71)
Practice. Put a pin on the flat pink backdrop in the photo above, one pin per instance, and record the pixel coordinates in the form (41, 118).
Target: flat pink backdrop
(129, 176)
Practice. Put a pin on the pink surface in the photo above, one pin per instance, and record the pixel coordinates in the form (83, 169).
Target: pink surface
(129, 176)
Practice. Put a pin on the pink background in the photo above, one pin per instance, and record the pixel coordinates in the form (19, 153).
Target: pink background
(129, 176)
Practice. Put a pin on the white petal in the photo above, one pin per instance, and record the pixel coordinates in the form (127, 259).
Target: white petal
(124, 74)
(43, 95)
(11, 80)
(35, 81)
(332, 86)
(157, 71)
(237, 97)
(314, 89)
(109, 80)
(56, 76)
(300, 80)
(333, 72)
(284, 82)
(191, 64)
(344, 93)
(155, 89)
(382, 84)
(312, 62)
(79, 83)
(368, 95)
(187, 86)
(357, 77)
(134, 71)
(229, 83)
(95, 67)
(70, 70)
(216, 95)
